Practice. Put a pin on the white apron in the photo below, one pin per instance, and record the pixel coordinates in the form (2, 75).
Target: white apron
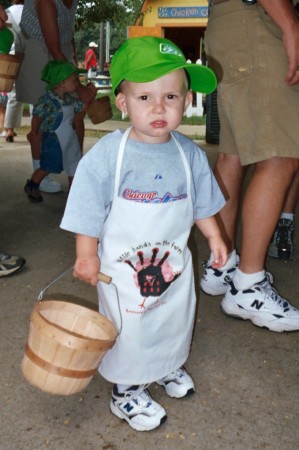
(68, 140)
(144, 248)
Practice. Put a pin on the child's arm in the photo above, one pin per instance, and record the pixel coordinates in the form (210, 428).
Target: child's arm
(211, 231)
(34, 136)
(88, 264)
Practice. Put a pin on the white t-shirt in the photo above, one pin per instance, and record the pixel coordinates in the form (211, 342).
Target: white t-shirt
(150, 173)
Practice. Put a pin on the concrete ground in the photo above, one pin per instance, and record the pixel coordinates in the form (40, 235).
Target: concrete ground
(246, 378)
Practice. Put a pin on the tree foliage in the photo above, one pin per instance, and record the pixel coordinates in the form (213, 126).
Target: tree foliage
(115, 11)
(119, 13)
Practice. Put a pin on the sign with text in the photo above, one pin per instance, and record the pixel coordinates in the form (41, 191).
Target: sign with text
(187, 12)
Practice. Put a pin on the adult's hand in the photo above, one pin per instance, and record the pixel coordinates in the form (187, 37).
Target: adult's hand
(291, 44)
(284, 15)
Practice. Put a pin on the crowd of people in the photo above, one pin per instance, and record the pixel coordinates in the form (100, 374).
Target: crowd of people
(151, 174)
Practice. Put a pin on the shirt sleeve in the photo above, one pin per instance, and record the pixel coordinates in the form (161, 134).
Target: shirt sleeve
(90, 196)
(208, 199)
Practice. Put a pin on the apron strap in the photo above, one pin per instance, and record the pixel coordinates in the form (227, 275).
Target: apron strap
(186, 165)
(120, 159)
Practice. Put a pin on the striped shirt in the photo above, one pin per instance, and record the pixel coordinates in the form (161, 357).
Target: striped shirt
(65, 20)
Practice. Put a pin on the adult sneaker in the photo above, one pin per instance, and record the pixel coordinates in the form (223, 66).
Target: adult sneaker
(10, 264)
(50, 186)
(137, 408)
(281, 245)
(213, 281)
(178, 384)
(262, 305)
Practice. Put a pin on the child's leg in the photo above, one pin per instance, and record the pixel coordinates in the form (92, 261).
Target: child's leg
(35, 140)
(38, 175)
(32, 186)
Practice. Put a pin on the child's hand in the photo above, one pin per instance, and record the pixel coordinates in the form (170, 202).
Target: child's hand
(219, 250)
(87, 269)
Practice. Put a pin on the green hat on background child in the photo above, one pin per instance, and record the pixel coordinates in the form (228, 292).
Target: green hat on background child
(146, 58)
(54, 72)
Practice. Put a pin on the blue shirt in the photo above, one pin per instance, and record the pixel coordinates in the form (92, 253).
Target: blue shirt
(49, 109)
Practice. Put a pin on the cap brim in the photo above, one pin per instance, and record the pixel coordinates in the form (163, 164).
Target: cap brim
(202, 79)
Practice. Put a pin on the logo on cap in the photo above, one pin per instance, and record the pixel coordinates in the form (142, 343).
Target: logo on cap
(168, 49)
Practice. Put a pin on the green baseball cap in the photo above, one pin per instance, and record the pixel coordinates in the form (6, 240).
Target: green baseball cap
(54, 72)
(146, 58)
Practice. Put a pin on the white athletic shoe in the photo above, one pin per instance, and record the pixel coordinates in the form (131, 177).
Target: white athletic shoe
(262, 305)
(50, 186)
(178, 384)
(213, 280)
(137, 408)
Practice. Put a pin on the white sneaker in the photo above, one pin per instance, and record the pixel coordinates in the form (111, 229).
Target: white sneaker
(178, 384)
(50, 186)
(137, 408)
(262, 305)
(213, 280)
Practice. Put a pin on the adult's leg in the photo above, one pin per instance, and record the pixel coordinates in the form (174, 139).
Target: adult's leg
(229, 174)
(262, 204)
(13, 115)
(292, 196)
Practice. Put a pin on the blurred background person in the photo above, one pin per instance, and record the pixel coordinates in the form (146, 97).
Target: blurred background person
(91, 63)
(14, 109)
(9, 264)
(47, 33)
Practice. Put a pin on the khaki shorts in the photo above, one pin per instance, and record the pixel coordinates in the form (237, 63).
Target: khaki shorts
(258, 111)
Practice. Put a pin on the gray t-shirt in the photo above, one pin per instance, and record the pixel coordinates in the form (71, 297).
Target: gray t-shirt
(152, 173)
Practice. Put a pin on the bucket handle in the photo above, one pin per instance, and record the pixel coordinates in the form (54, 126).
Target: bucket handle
(101, 277)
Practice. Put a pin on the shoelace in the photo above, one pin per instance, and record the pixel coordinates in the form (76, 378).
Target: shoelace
(140, 394)
(272, 292)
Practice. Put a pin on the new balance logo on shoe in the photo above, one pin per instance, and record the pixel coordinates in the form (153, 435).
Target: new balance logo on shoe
(128, 407)
(256, 304)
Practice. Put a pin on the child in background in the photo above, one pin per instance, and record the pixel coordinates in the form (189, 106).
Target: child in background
(57, 115)
(134, 199)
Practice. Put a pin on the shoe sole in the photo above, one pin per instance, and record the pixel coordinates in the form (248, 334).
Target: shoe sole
(114, 409)
(256, 320)
(213, 294)
(49, 191)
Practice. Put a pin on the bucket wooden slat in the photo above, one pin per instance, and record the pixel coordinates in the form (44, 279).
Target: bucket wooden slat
(65, 346)
(9, 67)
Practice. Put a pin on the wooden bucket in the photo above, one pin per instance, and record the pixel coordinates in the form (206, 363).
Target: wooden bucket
(100, 110)
(9, 67)
(65, 346)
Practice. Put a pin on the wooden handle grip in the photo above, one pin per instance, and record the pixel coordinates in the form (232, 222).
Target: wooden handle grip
(104, 278)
